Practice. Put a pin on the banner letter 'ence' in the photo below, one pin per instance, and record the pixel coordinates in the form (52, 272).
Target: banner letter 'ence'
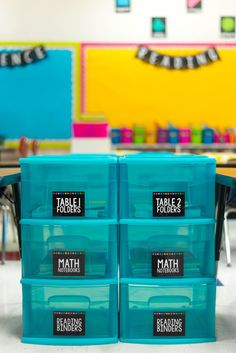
(16, 59)
(40, 52)
(21, 58)
(3, 59)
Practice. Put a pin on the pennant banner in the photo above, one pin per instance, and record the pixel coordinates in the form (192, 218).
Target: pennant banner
(21, 58)
(177, 62)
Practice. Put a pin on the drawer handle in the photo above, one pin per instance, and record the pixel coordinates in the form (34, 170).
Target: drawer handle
(65, 239)
(169, 301)
(73, 301)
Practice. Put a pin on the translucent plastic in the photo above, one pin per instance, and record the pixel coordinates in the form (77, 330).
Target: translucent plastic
(141, 303)
(43, 240)
(94, 175)
(96, 300)
(193, 239)
(141, 177)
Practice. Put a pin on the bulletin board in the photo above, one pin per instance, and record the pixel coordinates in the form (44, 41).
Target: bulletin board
(41, 99)
(128, 91)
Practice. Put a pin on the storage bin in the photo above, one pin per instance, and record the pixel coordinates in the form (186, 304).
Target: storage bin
(217, 137)
(126, 135)
(69, 312)
(151, 135)
(69, 249)
(167, 185)
(91, 129)
(226, 137)
(139, 134)
(176, 248)
(196, 135)
(82, 186)
(232, 135)
(208, 135)
(184, 135)
(173, 135)
(91, 145)
(115, 136)
(162, 135)
(168, 311)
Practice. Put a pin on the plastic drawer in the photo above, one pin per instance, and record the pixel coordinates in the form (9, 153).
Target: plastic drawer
(70, 312)
(157, 186)
(170, 311)
(81, 186)
(69, 249)
(167, 248)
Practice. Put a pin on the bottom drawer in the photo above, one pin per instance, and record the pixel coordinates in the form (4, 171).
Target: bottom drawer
(167, 311)
(69, 312)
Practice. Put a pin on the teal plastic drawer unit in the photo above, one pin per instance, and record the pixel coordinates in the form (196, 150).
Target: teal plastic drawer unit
(170, 311)
(69, 312)
(166, 185)
(167, 248)
(69, 249)
(81, 186)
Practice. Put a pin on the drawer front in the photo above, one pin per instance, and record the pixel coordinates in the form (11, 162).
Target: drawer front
(69, 249)
(167, 249)
(76, 191)
(163, 313)
(59, 312)
(165, 191)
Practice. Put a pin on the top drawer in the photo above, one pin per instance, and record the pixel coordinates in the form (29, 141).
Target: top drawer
(165, 185)
(69, 186)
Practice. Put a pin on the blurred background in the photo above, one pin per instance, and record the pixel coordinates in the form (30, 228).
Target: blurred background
(72, 78)
(118, 76)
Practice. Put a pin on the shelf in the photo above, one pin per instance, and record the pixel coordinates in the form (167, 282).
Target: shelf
(177, 148)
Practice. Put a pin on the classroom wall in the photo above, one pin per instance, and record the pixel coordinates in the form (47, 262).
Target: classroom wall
(96, 20)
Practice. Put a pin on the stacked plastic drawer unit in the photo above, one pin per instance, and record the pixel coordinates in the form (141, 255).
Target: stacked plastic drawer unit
(167, 266)
(69, 249)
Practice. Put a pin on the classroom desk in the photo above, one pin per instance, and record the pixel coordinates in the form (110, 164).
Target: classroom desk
(11, 176)
(225, 180)
(7, 150)
(9, 164)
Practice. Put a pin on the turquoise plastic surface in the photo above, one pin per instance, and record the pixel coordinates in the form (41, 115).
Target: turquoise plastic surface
(195, 239)
(96, 300)
(142, 175)
(193, 299)
(96, 240)
(95, 175)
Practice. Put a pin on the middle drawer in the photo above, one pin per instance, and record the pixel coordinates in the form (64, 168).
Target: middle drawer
(176, 248)
(69, 248)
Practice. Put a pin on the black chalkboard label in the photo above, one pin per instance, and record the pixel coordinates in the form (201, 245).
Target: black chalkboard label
(168, 204)
(68, 263)
(68, 323)
(167, 264)
(169, 324)
(71, 204)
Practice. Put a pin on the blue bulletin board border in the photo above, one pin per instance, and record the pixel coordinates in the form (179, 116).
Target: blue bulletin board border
(68, 62)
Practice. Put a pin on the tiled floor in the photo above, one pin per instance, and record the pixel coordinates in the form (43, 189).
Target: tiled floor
(10, 317)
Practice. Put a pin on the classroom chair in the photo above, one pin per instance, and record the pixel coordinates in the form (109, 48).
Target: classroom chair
(230, 208)
(7, 210)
